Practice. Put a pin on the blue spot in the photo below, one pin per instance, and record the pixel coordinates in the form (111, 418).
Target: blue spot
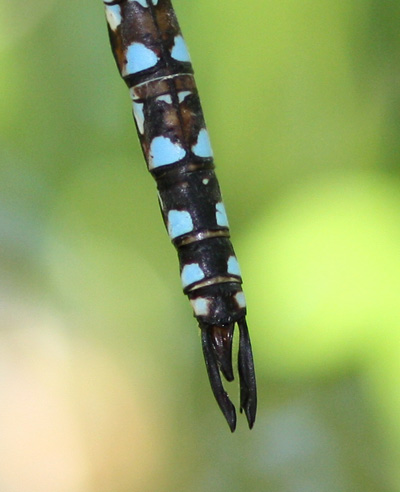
(165, 98)
(139, 116)
(203, 145)
(201, 306)
(143, 3)
(191, 273)
(179, 223)
(240, 299)
(179, 51)
(113, 15)
(139, 58)
(163, 152)
(222, 219)
(183, 95)
(233, 266)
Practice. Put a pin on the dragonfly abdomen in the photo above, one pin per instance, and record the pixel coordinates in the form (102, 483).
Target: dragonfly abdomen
(152, 58)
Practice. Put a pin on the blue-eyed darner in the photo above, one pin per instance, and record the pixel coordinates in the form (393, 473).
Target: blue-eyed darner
(153, 60)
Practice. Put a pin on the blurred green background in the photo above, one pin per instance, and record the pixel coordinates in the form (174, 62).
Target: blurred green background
(102, 382)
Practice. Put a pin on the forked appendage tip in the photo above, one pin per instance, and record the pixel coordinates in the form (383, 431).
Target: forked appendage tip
(217, 352)
(247, 376)
(217, 349)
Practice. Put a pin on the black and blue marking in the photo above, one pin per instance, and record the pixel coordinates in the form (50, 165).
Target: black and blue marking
(153, 60)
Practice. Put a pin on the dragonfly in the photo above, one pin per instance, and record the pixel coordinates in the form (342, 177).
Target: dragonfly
(153, 60)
